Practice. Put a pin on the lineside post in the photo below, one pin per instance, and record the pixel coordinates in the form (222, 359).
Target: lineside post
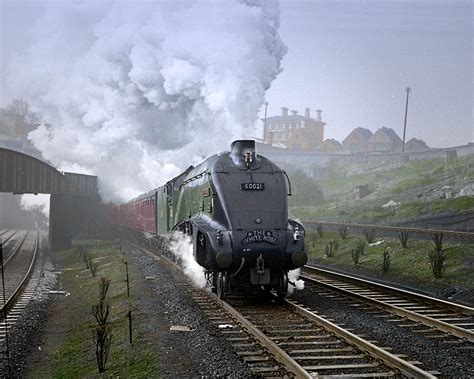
(7, 347)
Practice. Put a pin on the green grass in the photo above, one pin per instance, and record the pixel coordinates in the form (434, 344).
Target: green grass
(410, 266)
(401, 183)
(75, 357)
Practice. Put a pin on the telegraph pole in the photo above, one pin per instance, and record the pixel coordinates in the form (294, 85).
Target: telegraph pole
(265, 123)
(408, 90)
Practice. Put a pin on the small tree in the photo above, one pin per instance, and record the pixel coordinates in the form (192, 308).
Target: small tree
(403, 236)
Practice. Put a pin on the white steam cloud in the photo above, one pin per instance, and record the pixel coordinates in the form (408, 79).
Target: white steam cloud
(136, 91)
(181, 247)
(35, 202)
(294, 277)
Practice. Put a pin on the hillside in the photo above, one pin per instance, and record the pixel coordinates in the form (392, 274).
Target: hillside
(396, 192)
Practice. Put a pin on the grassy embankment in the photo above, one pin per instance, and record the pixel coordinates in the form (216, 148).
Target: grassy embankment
(402, 183)
(409, 267)
(75, 354)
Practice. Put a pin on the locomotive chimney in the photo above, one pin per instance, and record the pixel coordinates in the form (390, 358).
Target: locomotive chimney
(243, 152)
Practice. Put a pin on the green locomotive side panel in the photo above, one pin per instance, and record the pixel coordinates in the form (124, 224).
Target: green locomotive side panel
(194, 197)
(162, 212)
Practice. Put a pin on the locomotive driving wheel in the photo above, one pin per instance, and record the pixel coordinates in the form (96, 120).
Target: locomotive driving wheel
(222, 284)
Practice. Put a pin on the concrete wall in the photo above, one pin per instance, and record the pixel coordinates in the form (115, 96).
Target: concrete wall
(288, 158)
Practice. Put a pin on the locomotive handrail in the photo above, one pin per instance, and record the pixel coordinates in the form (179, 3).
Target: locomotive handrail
(288, 181)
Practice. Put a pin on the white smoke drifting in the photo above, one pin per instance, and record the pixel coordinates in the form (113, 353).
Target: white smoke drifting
(39, 202)
(181, 246)
(294, 277)
(134, 92)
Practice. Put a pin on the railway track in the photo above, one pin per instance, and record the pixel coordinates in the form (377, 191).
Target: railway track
(413, 309)
(287, 339)
(18, 268)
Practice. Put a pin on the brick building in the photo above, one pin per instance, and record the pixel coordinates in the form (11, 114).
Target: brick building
(294, 131)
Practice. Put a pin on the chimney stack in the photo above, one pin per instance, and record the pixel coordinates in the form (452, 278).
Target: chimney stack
(307, 113)
(284, 111)
(293, 112)
(318, 117)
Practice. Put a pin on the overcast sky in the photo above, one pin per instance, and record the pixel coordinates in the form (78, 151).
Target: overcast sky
(353, 60)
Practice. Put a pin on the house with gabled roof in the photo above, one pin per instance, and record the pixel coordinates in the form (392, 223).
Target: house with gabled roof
(385, 140)
(415, 145)
(357, 141)
(331, 145)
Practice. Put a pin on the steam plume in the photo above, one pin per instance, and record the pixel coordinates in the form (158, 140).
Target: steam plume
(181, 246)
(135, 92)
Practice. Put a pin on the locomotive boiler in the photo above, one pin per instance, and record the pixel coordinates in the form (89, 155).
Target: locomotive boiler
(234, 208)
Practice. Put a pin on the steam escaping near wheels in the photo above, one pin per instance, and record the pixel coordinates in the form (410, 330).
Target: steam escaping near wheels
(294, 281)
(181, 246)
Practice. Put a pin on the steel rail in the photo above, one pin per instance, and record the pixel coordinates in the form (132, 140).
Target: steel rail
(374, 351)
(17, 292)
(279, 354)
(400, 311)
(390, 360)
(447, 233)
(4, 241)
(15, 249)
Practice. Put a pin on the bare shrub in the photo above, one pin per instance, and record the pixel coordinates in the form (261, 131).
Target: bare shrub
(93, 267)
(87, 259)
(438, 240)
(369, 235)
(102, 340)
(319, 229)
(358, 251)
(103, 288)
(331, 248)
(386, 261)
(343, 231)
(101, 313)
(403, 236)
(437, 259)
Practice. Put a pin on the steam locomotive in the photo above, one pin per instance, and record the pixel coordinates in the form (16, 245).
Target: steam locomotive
(234, 207)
